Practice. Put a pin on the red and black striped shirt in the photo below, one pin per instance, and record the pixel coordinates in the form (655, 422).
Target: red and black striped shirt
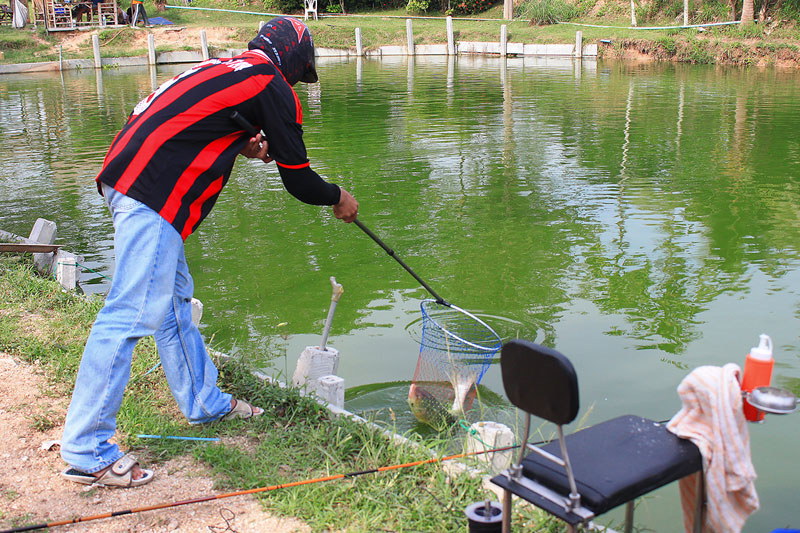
(177, 149)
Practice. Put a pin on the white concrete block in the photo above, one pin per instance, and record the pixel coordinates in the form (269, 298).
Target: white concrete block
(331, 389)
(394, 51)
(67, 269)
(485, 436)
(314, 363)
(515, 48)
(43, 232)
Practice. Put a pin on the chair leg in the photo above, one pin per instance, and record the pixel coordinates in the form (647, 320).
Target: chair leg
(629, 516)
(700, 503)
(506, 511)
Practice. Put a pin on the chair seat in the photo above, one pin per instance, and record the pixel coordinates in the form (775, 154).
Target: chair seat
(638, 456)
(614, 462)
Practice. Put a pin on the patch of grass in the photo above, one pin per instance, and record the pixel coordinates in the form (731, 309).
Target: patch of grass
(744, 31)
(669, 45)
(543, 12)
(22, 520)
(25, 45)
(295, 440)
(712, 10)
(43, 421)
(697, 53)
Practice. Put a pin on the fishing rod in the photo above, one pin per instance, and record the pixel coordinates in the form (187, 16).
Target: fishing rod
(253, 491)
(393, 255)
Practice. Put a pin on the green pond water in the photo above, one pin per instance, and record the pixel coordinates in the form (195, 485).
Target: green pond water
(642, 219)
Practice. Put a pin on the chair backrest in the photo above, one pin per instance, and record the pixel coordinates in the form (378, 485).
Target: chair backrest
(540, 381)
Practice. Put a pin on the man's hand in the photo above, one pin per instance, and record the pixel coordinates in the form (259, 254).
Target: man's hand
(256, 148)
(347, 208)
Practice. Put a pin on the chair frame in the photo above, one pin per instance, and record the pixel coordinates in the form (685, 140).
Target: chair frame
(571, 504)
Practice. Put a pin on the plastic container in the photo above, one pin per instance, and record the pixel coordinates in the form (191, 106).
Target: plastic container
(757, 373)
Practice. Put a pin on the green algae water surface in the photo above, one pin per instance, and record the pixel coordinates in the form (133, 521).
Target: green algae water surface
(641, 219)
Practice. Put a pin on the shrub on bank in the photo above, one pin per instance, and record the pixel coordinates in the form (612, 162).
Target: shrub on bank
(471, 7)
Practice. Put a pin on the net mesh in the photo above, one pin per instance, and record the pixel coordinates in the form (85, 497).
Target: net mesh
(456, 350)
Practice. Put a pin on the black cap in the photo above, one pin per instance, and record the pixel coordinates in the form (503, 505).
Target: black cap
(289, 45)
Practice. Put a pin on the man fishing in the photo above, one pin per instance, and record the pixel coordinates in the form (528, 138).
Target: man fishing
(160, 179)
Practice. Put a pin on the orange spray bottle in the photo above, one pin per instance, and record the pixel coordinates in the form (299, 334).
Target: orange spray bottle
(757, 373)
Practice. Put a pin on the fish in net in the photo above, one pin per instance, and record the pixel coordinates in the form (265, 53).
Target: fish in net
(456, 350)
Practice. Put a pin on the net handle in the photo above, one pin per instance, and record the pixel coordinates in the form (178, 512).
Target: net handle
(391, 253)
(473, 317)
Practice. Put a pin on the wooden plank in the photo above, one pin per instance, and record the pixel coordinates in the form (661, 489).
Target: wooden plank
(32, 248)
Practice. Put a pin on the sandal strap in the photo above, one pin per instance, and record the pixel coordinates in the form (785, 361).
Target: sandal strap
(249, 408)
(124, 464)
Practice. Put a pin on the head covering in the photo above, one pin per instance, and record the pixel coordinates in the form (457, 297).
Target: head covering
(288, 43)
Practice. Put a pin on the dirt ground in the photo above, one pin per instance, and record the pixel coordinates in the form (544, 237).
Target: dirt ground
(31, 490)
(163, 35)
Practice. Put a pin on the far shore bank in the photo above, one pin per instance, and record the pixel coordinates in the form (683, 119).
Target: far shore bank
(192, 36)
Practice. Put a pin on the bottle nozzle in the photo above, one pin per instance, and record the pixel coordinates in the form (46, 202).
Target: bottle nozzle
(764, 349)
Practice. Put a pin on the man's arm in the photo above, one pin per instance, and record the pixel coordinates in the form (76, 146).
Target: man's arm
(308, 187)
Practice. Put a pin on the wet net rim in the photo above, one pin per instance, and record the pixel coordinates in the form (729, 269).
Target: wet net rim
(431, 317)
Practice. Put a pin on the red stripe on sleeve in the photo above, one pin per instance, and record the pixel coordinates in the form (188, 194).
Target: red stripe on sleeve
(196, 208)
(304, 165)
(201, 163)
(299, 115)
(228, 97)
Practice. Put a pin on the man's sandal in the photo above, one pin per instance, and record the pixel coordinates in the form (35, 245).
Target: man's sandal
(119, 475)
(242, 409)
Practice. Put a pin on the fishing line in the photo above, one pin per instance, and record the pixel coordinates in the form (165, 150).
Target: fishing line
(254, 491)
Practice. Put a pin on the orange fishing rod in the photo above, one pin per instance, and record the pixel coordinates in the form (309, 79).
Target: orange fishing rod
(252, 491)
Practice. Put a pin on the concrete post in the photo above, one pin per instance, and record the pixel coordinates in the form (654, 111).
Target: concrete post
(314, 363)
(359, 50)
(485, 436)
(331, 389)
(204, 44)
(261, 24)
(503, 40)
(508, 9)
(151, 49)
(98, 63)
(410, 37)
(67, 269)
(579, 44)
(43, 232)
(685, 12)
(451, 45)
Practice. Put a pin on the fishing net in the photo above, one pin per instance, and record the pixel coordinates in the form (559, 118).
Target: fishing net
(456, 350)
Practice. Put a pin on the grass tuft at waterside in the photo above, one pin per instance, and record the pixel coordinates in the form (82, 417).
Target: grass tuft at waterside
(296, 439)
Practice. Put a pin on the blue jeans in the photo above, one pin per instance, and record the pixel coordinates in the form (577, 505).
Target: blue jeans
(150, 295)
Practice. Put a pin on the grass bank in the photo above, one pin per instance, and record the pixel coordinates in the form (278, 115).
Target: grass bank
(775, 43)
(295, 440)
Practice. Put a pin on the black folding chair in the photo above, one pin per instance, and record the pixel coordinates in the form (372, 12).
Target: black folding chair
(608, 464)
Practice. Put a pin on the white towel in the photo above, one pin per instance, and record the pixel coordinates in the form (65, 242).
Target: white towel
(712, 418)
